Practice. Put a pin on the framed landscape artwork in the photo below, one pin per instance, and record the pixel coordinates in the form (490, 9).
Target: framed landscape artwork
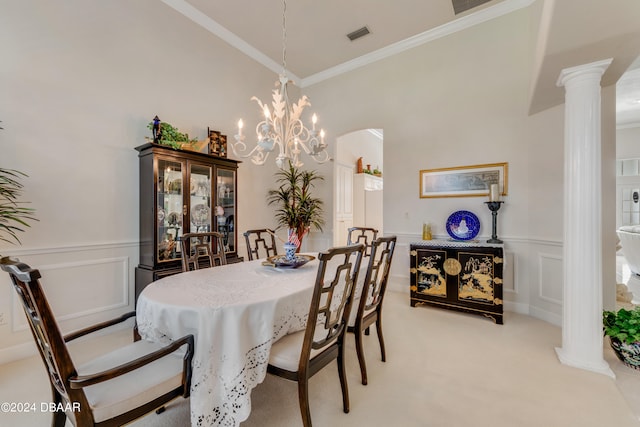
(464, 181)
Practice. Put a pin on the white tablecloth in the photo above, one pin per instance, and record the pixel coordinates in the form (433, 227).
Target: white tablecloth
(236, 312)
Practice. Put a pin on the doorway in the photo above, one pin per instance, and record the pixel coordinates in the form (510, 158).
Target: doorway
(358, 197)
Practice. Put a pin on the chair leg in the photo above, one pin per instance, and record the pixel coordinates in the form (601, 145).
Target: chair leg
(380, 337)
(343, 379)
(360, 352)
(303, 397)
(59, 417)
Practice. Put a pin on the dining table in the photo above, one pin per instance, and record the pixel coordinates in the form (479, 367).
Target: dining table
(235, 312)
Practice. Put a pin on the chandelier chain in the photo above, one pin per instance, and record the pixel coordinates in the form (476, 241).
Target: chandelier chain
(284, 36)
(282, 128)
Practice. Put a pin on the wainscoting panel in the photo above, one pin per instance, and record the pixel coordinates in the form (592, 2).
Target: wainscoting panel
(545, 280)
(95, 285)
(550, 278)
(85, 285)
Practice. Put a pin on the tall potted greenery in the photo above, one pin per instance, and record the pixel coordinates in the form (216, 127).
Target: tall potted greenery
(296, 208)
(13, 216)
(623, 328)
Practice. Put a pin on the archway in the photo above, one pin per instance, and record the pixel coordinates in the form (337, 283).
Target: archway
(356, 202)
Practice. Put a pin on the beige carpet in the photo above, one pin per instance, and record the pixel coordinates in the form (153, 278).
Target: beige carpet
(444, 369)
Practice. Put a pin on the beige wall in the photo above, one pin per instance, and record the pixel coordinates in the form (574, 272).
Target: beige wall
(79, 82)
(463, 100)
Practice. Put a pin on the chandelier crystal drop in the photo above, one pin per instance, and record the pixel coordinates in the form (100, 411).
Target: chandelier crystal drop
(282, 126)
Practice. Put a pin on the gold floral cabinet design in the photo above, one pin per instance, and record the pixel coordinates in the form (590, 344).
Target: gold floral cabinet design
(459, 276)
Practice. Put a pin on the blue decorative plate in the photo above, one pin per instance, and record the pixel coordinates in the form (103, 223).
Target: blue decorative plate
(463, 225)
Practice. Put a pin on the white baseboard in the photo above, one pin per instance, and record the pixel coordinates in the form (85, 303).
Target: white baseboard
(18, 352)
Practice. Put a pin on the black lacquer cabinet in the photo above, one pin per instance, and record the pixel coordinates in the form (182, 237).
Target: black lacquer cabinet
(458, 276)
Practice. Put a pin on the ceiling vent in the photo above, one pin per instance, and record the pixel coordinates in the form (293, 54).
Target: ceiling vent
(460, 6)
(360, 32)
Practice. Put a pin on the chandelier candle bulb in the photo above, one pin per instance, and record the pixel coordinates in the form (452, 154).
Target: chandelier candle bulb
(240, 126)
(314, 120)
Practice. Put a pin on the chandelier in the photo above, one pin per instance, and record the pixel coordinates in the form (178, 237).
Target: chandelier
(282, 126)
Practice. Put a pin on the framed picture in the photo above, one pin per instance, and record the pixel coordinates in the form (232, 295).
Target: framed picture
(464, 181)
(214, 141)
(222, 146)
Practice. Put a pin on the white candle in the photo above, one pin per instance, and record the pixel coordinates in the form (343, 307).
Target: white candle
(494, 193)
(314, 119)
(240, 125)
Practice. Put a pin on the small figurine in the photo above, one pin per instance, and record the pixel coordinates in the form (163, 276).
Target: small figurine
(157, 130)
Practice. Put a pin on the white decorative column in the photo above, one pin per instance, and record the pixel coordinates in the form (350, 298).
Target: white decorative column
(582, 294)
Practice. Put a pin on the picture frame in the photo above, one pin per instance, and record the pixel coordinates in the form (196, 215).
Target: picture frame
(222, 146)
(464, 181)
(214, 141)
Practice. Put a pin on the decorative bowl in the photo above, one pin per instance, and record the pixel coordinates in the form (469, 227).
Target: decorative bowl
(281, 261)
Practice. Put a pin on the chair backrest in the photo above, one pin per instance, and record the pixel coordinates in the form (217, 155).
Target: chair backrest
(260, 240)
(202, 250)
(364, 235)
(45, 330)
(375, 281)
(332, 298)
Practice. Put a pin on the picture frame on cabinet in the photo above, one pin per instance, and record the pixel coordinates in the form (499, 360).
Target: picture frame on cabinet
(214, 141)
(464, 181)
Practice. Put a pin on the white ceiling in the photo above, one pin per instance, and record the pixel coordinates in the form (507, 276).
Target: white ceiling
(317, 46)
(628, 97)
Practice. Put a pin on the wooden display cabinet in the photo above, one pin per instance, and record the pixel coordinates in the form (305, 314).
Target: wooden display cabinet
(182, 192)
(458, 276)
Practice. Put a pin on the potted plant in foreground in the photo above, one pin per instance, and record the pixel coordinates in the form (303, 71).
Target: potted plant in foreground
(623, 328)
(13, 216)
(297, 209)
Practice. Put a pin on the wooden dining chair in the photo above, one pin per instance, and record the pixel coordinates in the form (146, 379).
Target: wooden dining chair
(202, 250)
(260, 240)
(113, 389)
(301, 355)
(364, 235)
(368, 304)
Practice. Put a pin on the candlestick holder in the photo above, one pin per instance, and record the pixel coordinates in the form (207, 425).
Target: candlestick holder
(494, 207)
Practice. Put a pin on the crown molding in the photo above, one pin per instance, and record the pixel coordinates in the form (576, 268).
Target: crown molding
(186, 9)
(459, 24)
(462, 23)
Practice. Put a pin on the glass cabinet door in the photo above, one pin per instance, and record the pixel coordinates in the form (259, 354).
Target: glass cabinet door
(200, 198)
(171, 205)
(225, 211)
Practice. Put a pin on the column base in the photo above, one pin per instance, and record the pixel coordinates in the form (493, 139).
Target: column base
(600, 367)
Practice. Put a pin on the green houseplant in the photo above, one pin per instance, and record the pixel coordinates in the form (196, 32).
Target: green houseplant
(296, 208)
(13, 215)
(171, 136)
(623, 329)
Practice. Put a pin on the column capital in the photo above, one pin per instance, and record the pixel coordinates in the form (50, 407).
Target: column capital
(596, 69)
